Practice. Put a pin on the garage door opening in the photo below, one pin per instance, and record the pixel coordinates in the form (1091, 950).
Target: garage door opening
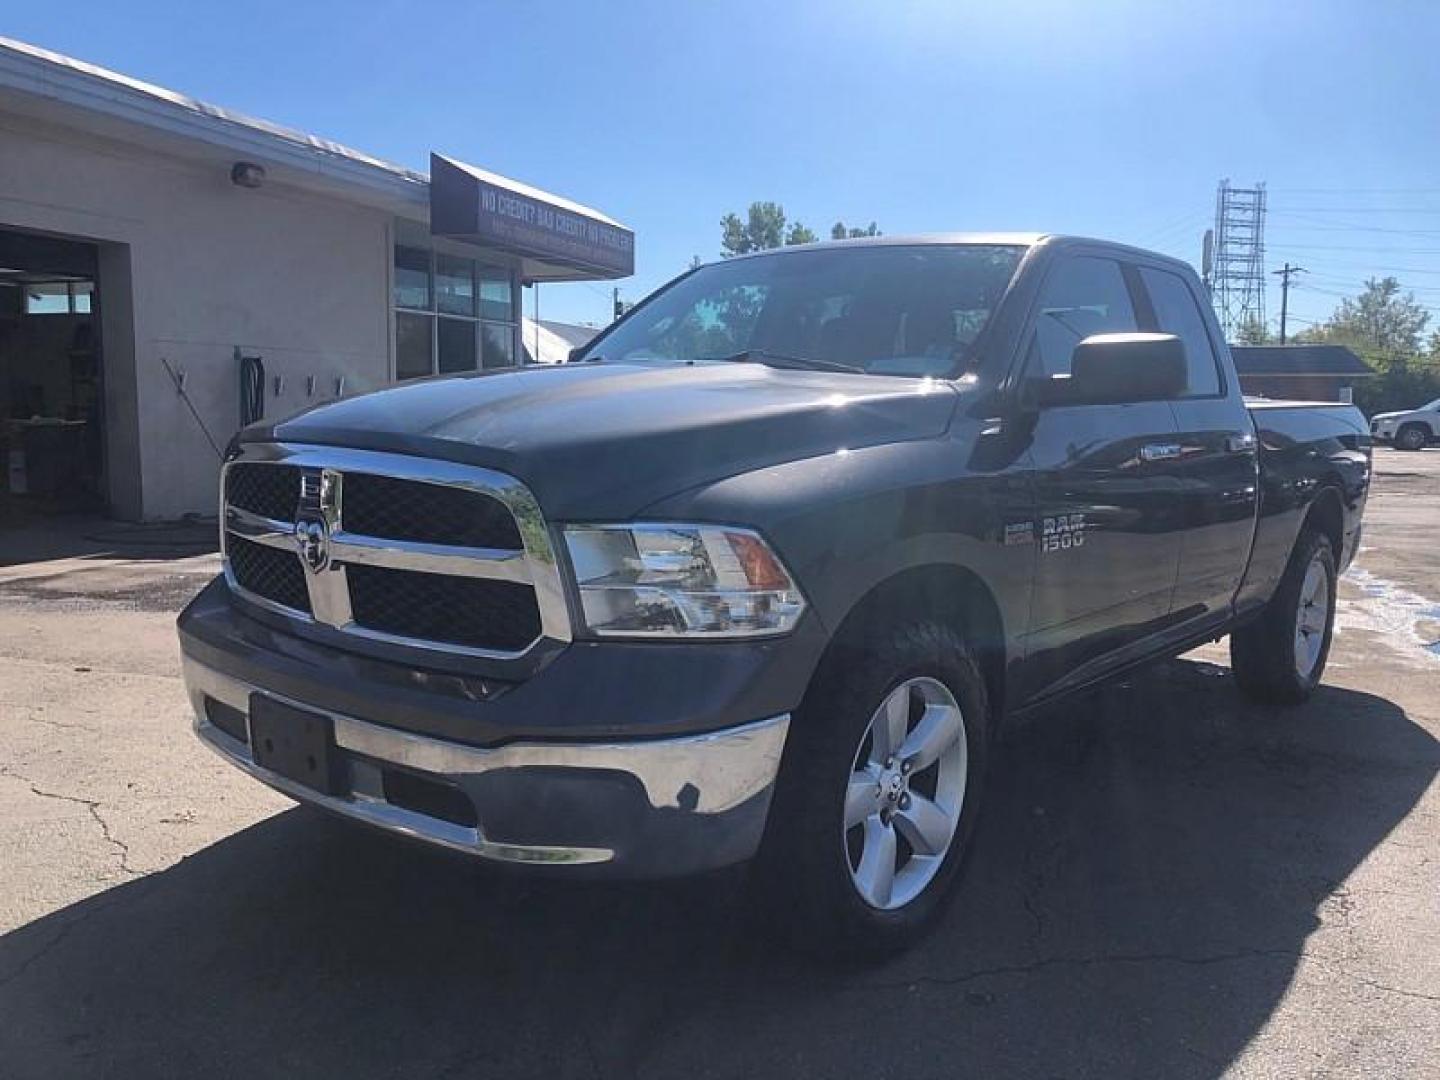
(51, 395)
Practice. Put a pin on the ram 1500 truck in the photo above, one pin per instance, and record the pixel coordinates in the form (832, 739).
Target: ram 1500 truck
(764, 570)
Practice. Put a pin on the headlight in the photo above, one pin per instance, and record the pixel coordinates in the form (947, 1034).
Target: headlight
(680, 581)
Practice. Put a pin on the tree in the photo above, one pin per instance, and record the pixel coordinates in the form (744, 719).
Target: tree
(799, 234)
(1384, 327)
(1252, 332)
(764, 227)
(1380, 323)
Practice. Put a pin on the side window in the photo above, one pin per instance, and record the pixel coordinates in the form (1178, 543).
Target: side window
(1176, 312)
(1082, 296)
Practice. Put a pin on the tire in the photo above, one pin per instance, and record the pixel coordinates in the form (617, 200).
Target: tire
(813, 869)
(1276, 659)
(1411, 437)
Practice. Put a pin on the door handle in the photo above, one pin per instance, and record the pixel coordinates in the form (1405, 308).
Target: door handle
(1160, 451)
(1242, 442)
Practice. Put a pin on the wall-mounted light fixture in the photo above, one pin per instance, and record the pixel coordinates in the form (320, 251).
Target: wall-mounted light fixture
(247, 174)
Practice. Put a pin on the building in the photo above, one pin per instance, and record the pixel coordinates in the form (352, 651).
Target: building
(545, 341)
(1299, 372)
(169, 269)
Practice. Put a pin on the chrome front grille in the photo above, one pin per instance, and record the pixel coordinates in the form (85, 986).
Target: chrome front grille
(390, 548)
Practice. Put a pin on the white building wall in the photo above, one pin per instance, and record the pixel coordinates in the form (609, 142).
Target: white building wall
(298, 279)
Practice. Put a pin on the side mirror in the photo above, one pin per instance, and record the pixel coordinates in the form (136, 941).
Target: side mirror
(575, 354)
(1118, 369)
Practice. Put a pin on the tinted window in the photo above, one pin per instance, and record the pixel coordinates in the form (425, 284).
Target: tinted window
(1082, 296)
(890, 309)
(1176, 313)
(455, 347)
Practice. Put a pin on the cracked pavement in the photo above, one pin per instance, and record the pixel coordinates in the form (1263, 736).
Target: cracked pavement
(1168, 882)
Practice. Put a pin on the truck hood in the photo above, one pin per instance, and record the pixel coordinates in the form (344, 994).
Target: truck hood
(598, 441)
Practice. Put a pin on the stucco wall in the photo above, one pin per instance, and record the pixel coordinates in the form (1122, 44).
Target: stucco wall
(298, 279)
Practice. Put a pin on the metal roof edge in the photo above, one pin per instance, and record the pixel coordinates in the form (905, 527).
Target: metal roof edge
(29, 69)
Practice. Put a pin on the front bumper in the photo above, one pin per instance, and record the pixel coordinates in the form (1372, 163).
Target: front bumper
(644, 808)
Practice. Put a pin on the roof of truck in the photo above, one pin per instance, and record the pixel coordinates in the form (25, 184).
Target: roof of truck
(997, 239)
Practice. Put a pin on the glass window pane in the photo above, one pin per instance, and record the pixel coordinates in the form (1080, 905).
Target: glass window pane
(495, 293)
(499, 347)
(48, 298)
(454, 286)
(457, 345)
(81, 291)
(412, 278)
(1178, 312)
(1082, 296)
(412, 345)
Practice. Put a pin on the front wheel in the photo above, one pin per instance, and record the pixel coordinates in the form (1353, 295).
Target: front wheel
(1279, 658)
(878, 794)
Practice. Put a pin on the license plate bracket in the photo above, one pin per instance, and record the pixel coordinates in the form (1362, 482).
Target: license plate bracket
(296, 743)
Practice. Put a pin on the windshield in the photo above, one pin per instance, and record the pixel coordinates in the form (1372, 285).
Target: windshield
(888, 309)
(1434, 406)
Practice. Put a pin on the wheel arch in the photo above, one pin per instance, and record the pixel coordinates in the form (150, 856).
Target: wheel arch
(948, 593)
(1326, 515)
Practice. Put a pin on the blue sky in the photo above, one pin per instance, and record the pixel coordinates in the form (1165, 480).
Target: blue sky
(1107, 118)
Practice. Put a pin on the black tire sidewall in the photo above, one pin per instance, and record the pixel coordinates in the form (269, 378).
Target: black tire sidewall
(805, 850)
(1410, 437)
(1263, 652)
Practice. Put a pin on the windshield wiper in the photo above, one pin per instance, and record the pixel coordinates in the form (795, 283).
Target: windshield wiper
(780, 360)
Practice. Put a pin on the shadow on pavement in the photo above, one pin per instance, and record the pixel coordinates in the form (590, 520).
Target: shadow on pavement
(39, 539)
(1151, 865)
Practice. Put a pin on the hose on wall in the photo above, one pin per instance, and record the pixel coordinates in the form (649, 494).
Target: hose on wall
(252, 387)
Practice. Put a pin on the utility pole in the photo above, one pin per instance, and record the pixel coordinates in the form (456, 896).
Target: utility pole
(1285, 273)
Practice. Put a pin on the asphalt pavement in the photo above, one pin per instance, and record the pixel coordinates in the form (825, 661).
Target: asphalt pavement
(1168, 882)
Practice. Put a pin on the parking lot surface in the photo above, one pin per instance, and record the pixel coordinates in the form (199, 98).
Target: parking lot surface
(1168, 882)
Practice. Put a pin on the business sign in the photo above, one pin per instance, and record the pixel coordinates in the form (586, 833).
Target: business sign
(471, 205)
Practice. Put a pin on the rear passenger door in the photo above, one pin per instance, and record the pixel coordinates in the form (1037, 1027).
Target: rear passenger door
(1216, 468)
(1107, 544)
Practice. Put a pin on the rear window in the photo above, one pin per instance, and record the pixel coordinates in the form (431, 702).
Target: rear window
(1177, 312)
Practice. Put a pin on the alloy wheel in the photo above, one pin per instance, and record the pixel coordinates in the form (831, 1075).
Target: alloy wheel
(906, 792)
(1312, 618)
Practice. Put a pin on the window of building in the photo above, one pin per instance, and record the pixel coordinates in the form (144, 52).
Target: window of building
(1177, 312)
(58, 297)
(452, 314)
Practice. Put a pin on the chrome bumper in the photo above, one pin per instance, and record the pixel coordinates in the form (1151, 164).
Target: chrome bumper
(648, 807)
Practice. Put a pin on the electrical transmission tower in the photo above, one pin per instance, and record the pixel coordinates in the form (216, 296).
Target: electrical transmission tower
(1238, 270)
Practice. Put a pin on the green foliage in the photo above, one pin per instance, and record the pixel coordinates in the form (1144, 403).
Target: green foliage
(1252, 332)
(764, 227)
(1380, 324)
(799, 234)
(1384, 327)
(1405, 383)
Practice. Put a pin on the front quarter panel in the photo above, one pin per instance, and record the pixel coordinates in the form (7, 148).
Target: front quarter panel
(848, 521)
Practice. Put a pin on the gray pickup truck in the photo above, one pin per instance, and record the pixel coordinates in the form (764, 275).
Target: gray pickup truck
(762, 574)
